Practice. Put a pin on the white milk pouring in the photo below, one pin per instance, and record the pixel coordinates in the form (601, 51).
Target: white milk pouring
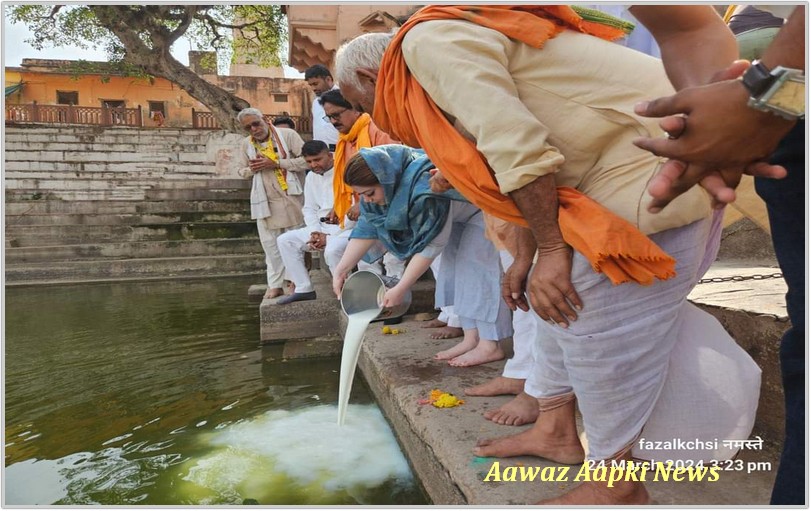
(356, 327)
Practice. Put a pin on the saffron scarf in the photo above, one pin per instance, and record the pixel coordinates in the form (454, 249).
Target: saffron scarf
(612, 245)
(342, 192)
(269, 153)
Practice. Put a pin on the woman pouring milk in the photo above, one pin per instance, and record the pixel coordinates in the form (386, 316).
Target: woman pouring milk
(400, 211)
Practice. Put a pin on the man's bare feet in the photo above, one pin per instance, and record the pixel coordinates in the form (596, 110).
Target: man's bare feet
(596, 493)
(484, 352)
(434, 323)
(498, 386)
(532, 443)
(273, 292)
(447, 332)
(468, 343)
(521, 410)
(553, 436)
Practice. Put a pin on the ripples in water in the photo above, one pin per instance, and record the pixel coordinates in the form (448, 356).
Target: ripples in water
(113, 389)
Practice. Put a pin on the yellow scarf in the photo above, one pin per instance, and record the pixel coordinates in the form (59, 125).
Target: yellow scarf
(270, 153)
(342, 193)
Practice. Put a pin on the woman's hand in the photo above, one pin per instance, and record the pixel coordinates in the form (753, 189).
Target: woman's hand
(338, 280)
(394, 296)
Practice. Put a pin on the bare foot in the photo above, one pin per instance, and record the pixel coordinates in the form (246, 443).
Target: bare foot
(536, 441)
(521, 410)
(595, 493)
(274, 292)
(434, 323)
(448, 332)
(484, 352)
(498, 386)
(468, 343)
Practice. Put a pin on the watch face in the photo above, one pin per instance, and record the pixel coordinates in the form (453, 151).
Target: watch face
(789, 97)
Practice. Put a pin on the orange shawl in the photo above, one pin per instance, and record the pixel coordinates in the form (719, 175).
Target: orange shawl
(342, 192)
(403, 109)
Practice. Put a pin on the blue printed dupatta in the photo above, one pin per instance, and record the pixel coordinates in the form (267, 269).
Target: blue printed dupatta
(413, 215)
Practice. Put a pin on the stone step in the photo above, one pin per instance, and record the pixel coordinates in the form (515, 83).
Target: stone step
(143, 249)
(38, 236)
(60, 207)
(154, 155)
(75, 183)
(168, 169)
(107, 135)
(130, 146)
(126, 193)
(134, 174)
(132, 269)
(126, 219)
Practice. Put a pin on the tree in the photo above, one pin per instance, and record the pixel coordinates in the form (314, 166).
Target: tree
(138, 40)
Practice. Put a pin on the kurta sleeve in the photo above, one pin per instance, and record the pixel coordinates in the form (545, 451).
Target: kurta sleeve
(437, 245)
(311, 207)
(294, 161)
(470, 80)
(243, 168)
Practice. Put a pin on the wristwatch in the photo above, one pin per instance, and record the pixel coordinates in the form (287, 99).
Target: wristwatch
(780, 91)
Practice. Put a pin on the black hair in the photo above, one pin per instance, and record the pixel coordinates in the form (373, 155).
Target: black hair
(317, 71)
(284, 120)
(334, 97)
(313, 148)
(358, 173)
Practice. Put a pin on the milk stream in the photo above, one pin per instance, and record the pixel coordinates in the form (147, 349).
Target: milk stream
(356, 327)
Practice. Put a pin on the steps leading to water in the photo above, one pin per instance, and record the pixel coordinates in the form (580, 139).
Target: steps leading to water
(91, 203)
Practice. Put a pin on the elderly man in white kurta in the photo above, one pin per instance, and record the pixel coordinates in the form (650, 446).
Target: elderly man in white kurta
(271, 158)
(319, 232)
(548, 106)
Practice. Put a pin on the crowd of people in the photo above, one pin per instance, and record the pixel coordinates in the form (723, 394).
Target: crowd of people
(552, 195)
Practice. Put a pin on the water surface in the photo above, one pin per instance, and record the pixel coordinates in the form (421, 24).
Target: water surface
(158, 393)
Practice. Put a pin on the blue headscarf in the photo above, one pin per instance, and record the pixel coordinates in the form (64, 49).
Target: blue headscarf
(413, 215)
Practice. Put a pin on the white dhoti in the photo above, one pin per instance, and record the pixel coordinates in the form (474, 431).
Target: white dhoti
(470, 278)
(615, 357)
(525, 331)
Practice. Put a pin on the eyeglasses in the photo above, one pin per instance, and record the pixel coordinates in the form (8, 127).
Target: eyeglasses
(254, 124)
(335, 116)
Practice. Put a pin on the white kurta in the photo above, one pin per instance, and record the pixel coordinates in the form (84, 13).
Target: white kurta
(470, 274)
(323, 130)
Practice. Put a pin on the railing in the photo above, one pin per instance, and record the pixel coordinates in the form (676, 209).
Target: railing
(69, 114)
(206, 120)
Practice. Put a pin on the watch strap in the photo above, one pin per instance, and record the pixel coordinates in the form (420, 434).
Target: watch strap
(757, 79)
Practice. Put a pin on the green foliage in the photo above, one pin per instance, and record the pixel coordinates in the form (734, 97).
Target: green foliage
(260, 30)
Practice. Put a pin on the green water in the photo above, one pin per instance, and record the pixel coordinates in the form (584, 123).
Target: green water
(117, 393)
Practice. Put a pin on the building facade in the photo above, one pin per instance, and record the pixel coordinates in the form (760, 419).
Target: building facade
(53, 87)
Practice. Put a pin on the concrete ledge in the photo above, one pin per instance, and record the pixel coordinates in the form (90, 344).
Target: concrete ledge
(438, 442)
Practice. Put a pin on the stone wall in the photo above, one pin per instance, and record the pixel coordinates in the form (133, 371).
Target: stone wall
(88, 203)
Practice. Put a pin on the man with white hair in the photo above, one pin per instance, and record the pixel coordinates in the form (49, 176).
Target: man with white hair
(271, 158)
(521, 114)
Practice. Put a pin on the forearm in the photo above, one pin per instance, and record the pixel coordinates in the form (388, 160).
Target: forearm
(354, 252)
(311, 218)
(694, 41)
(415, 269)
(788, 47)
(538, 203)
(294, 165)
(525, 244)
